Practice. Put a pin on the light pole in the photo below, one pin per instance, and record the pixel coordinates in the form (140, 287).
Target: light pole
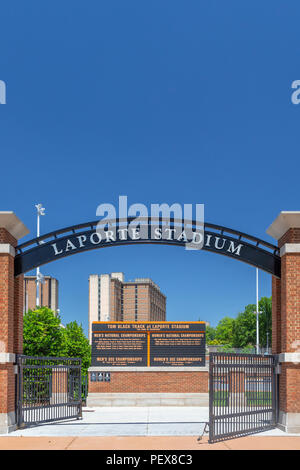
(39, 277)
(257, 315)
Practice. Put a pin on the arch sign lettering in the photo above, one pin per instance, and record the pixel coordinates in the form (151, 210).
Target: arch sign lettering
(92, 235)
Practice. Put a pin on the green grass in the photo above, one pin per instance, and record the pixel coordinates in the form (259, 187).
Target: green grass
(221, 398)
(252, 398)
(259, 398)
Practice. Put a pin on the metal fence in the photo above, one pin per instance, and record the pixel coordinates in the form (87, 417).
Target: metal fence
(49, 389)
(242, 395)
(220, 348)
(84, 388)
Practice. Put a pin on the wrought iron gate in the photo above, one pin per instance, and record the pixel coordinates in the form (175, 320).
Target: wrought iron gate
(242, 395)
(49, 389)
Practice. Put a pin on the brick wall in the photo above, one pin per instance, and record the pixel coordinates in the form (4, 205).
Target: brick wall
(276, 315)
(153, 382)
(6, 237)
(7, 388)
(18, 314)
(291, 236)
(289, 388)
(6, 302)
(11, 322)
(290, 301)
(286, 322)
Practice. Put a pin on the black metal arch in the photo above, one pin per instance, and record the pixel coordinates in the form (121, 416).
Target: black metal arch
(78, 238)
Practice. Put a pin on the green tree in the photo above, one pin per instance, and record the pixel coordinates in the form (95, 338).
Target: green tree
(224, 331)
(265, 321)
(210, 334)
(42, 333)
(244, 331)
(76, 344)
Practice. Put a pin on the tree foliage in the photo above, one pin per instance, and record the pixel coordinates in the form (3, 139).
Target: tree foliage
(76, 344)
(210, 334)
(44, 335)
(265, 320)
(224, 330)
(244, 329)
(240, 332)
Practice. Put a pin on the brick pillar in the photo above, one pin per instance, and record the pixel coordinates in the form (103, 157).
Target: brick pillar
(11, 317)
(59, 391)
(276, 315)
(286, 318)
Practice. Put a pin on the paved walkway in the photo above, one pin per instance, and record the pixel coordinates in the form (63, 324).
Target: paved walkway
(138, 428)
(131, 421)
(147, 443)
(127, 421)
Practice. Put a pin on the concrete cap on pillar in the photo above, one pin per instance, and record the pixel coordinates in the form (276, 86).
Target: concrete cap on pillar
(13, 224)
(283, 222)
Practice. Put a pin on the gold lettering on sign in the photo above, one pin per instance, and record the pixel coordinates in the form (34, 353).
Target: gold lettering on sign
(149, 344)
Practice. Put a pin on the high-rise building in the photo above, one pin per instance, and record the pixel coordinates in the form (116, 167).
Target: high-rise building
(113, 299)
(48, 293)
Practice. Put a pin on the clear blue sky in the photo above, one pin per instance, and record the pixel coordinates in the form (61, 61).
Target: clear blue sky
(162, 101)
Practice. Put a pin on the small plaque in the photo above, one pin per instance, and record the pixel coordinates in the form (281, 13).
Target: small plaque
(100, 377)
(93, 377)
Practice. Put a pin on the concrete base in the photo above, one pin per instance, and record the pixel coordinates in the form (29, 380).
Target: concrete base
(147, 399)
(7, 422)
(289, 422)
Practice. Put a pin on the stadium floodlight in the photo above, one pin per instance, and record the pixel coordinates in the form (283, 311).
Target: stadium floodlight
(39, 277)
